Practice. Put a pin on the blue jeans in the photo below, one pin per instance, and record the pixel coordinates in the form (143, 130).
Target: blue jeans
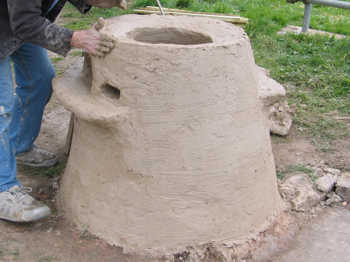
(21, 108)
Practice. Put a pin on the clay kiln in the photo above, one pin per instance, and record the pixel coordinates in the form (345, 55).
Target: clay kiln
(170, 150)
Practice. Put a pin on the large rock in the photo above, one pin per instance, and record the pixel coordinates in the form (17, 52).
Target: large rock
(297, 189)
(275, 106)
(343, 186)
(326, 183)
(280, 118)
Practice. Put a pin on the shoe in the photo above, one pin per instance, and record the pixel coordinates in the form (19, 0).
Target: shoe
(17, 205)
(36, 157)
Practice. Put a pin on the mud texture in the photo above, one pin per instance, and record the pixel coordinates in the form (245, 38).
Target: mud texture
(171, 154)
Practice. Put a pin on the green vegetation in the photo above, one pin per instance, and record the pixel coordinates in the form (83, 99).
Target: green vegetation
(77, 21)
(56, 59)
(6, 253)
(77, 53)
(296, 169)
(46, 172)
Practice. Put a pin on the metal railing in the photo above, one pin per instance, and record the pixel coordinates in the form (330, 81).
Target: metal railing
(308, 8)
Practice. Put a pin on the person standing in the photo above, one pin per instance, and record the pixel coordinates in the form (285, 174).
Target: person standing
(27, 29)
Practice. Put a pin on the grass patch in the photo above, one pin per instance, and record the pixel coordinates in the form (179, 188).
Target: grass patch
(299, 168)
(6, 253)
(56, 59)
(45, 172)
(76, 53)
(78, 21)
(281, 174)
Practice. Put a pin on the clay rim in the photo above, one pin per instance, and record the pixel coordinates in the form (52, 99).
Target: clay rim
(210, 32)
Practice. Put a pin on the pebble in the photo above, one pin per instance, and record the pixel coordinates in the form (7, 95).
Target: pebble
(343, 186)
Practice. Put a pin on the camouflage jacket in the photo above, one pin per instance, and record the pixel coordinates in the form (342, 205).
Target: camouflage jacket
(29, 21)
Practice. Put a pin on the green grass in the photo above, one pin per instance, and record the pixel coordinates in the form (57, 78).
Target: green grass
(76, 53)
(281, 174)
(56, 59)
(78, 21)
(316, 69)
(7, 253)
(46, 172)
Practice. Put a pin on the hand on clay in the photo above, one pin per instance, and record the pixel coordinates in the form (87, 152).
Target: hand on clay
(92, 41)
(108, 3)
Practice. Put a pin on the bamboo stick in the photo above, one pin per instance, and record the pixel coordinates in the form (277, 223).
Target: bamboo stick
(227, 18)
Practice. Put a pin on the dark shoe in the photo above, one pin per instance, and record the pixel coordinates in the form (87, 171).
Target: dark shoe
(37, 157)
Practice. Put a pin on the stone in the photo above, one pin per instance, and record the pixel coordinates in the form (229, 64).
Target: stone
(333, 171)
(326, 183)
(298, 190)
(280, 118)
(298, 30)
(343, 186)
(170, 149)
(275, 107)
(333, 198)
(319, 172)
(270, 91)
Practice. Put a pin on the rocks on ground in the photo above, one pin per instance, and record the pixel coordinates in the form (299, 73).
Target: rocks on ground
(330, 188)
(334, 184)
(298, 190)
(343, 186)
(275, 107)
(326, 183)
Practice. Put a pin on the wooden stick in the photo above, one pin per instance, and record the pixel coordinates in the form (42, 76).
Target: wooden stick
(160, 7)
(69, 135)
(227, 18)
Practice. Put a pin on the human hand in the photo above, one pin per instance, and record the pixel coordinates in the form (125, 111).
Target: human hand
(92, 41)
(108, 3)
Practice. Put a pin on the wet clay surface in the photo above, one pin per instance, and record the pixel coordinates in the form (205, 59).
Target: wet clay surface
(182, 151)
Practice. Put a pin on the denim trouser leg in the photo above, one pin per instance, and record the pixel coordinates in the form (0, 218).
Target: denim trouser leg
(20, 123)
(7, 148)
(34, 73)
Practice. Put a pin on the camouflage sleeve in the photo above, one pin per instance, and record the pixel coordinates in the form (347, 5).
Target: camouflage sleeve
(81, 5)
(28, 25)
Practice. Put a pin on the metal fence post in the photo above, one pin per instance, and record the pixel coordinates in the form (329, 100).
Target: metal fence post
(308, 8)
(307, 16)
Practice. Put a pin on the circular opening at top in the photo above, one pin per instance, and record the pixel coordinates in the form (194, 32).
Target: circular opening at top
(175, 36)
